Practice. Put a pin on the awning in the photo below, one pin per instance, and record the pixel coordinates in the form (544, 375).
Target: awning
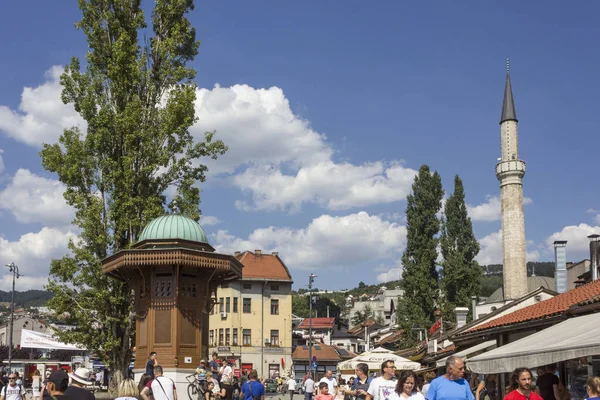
(40, 340)
(573, 338)
(469, 353)
(375, 358)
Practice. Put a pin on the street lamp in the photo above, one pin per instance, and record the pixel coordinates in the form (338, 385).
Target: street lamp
(311, 279)
(15, 271)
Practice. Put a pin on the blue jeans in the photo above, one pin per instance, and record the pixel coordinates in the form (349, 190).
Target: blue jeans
(308, 396)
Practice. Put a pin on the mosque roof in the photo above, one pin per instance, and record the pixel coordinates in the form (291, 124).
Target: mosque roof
(533, 282)
(174, 226)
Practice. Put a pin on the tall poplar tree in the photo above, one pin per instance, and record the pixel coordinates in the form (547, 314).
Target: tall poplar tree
(461, 273)
(419, 276)
(137, 98)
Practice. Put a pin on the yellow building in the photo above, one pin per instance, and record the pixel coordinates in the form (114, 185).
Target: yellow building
(251, 325)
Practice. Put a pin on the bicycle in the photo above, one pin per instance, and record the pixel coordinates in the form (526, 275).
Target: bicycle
(195, 390)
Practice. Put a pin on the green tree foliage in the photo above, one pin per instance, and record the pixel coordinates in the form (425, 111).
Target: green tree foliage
(300, 305)
(461, 273)
(137, 98)
(362, 315)
(420, 278)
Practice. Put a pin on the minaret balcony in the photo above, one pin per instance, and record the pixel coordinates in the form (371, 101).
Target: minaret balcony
(510, 168)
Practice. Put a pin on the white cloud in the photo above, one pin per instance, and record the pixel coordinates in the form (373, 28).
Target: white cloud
(490, 210)
(42, 116)
(32, 253)
(328, 241)
(576, 237)
(1, 161)
(491, 250)
(34, 199)
(591, 211)
(206, 220)
(333, 186)
(390, 274)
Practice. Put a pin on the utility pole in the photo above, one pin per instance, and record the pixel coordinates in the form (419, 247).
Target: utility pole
(311, 279)
(15, 271)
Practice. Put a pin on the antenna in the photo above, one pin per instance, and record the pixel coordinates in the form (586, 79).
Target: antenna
(507, 66)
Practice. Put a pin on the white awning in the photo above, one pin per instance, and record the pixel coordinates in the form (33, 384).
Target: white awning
(465, 354)
(573, 338)
(40, 340)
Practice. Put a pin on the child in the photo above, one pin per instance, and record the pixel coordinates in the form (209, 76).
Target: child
(201, 374)
(324, 392)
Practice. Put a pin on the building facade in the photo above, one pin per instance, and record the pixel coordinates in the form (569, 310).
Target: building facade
(383, 305)
(251, 326)
(19, 324)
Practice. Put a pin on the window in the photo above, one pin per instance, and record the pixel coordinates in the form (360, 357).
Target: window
(227, 330)
(274, 306)
(211, 337)
(220, 336)
(235, 337)
(246, 306)
(246, 336)
(275, 288)
(227, 304)
(235, 301)
(221, 304)
(274, 337)
(247, 286)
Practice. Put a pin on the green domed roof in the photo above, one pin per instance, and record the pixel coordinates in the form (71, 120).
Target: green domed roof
(174, 226)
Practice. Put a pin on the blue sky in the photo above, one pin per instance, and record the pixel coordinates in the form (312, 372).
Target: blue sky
(328, 109)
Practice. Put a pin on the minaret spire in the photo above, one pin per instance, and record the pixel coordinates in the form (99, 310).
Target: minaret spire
(508, 106)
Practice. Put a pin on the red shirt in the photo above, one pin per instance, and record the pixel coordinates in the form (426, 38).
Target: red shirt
(515, 395)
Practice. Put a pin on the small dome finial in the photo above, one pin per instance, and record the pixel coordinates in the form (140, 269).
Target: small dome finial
(507, 66)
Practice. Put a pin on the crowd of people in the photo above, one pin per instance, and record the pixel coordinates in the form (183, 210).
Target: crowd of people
(455, 384)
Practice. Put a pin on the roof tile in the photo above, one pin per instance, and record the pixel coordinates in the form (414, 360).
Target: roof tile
(546, 308)
(318, 323)
(323, 352)
(268, 266)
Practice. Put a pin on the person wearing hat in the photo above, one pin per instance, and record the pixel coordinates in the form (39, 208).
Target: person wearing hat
(79, 380)
(201, 374)
(12, 391)
(57, 384)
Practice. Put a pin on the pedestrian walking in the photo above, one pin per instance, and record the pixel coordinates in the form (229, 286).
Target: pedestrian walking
(79, 380)
(309, 387)
(406, 388)
(520, 385)
(291, 387)
(252, 390)
(547, 384)
(452, 385)
(383, 386)
(127, 390)
(592, 387)
(330, 381)
(162, 388)
(150, 364)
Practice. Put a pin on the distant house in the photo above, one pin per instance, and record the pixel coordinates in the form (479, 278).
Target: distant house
(321, 329)
(383, 304)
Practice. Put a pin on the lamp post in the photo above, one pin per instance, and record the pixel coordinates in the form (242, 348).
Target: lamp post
(15, 271)
(311, 279)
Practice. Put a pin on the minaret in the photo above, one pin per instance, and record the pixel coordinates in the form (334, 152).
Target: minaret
(510, 171)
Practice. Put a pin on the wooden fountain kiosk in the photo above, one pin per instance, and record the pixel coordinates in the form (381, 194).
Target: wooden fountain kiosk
(174, 274)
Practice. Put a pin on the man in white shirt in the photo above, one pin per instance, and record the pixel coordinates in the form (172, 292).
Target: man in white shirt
(162, 388)
(330, 381)
(291, 384)
(384, 385)
(12, 391)
(309, 388)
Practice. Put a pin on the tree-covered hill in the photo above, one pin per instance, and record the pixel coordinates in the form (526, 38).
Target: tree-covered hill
(28, 298)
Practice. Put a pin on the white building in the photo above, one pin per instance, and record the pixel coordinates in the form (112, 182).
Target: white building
(383, 304)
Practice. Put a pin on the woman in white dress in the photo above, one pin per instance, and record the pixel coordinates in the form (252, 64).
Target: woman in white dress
(406, 388)
(36, 384)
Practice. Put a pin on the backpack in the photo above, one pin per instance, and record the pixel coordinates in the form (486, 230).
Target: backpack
(251, 387)
(3, 390)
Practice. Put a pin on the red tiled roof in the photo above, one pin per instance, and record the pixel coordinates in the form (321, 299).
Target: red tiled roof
(261, 265)
(391, 338)
(317, 323)
(358, 328)
(323, 352)
(546, 308)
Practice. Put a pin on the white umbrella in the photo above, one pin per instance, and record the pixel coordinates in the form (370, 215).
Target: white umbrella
(375, 358)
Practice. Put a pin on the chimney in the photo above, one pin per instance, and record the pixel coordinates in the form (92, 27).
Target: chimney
(258, 252)
(461, 316)
(275, 253)
(474, 307)
(560, 266)
(237, 253)
(594, 253)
